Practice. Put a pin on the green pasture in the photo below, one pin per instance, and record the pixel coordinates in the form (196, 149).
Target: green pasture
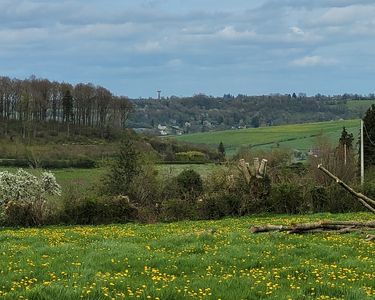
(296, 136)
(90, 177)
(359, 105)
(187, 260)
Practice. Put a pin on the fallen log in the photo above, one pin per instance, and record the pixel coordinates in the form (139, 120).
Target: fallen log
(267, 228)
(341, 226)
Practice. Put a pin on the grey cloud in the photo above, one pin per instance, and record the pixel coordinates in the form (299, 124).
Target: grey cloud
(100, 40)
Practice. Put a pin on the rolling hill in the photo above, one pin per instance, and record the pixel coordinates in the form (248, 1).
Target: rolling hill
(298, 136)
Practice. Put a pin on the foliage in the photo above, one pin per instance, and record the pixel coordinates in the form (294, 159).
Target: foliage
(223, 195)
(189, 184)
(221, 150)
(168, 148)
(97, 210)
(36, 102)
(332, 158)
(23, 186)
(67, 105)
(24, 197)
(319, 198)
(346, 139)
(202, 113)
(287, 198)
(145, 188)
(173, 210)
(255, 121)
(123, 170)
(86, 163)
(369, 136)
(191, 156)
(216, 205)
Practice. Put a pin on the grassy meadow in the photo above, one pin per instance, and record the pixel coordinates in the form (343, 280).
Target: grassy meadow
(359, 106)
(296, 136)
(187, 260)
(90, 177)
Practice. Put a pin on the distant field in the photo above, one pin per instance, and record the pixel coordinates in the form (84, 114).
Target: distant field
(359, 105)
(187, 260)
(297, 136)
(87, 177)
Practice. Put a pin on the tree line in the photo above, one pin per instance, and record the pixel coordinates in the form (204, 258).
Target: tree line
(204, 113)
(35, 101)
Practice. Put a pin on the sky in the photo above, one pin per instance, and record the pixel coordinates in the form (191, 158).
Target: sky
(186, 47)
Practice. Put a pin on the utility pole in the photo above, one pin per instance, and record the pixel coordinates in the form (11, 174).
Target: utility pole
(362, 156)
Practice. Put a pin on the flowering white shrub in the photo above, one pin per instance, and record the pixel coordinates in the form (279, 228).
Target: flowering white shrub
(23, 186)
(23, 197)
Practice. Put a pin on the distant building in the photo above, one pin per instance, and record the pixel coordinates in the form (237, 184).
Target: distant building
(162, 127)
(163, 130)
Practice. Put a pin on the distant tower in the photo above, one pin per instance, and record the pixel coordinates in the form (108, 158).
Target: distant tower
(159, 92)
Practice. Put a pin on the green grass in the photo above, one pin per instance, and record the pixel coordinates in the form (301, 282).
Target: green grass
(174, 169)
(359, 105)
(81, 177)
(89, 177)
(185, 261)
(297, 136)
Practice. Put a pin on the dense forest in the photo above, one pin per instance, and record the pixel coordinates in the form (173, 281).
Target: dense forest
(34, 102)
(203, 113)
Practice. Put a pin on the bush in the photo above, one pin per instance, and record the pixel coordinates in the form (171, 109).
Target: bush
(216, 205)
(369, 189)
(124, 169)
(276, 158)
(97, 210)
(24, 197)
(190, 184)
(339, 200)
(177, 210)
(191, 156)
(319, 199)
(19, 163)
(287, 198)
(49, 164)
(145, 188)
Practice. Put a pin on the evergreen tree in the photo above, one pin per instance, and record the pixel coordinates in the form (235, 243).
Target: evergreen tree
(221, 150)
(344, 151)
(125, 168)
(346, 139)
(369, 136)
(255, 121)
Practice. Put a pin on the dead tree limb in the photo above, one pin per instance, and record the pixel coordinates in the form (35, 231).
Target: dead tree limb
(338, 226)
(341, 226)
(366, 201)
(267, 228)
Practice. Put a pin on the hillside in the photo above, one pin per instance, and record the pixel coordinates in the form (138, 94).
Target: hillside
(298, 136)
(202, 113)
